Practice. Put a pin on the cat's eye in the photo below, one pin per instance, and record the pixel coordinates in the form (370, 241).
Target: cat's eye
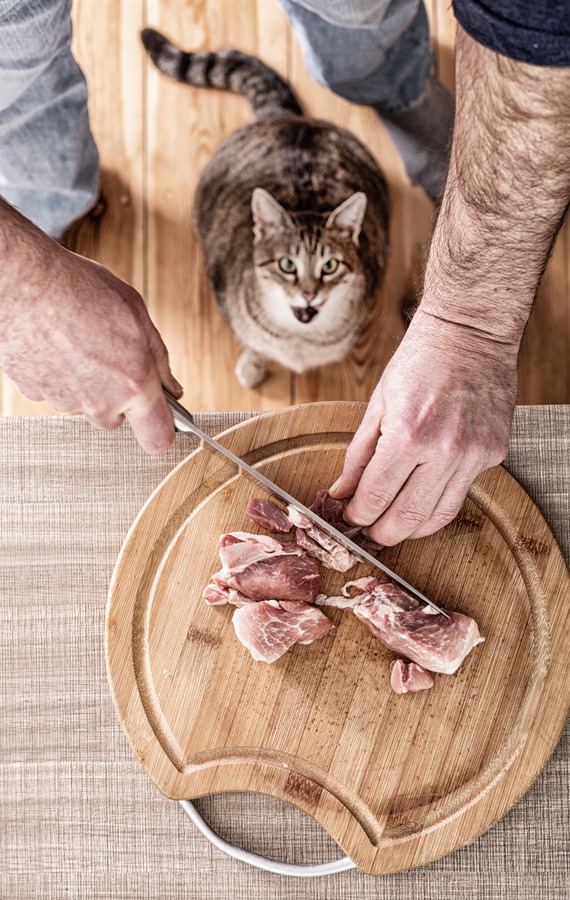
(330, 266)
(287, 265)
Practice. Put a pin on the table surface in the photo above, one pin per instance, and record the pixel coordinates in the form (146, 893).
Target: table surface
(78, 817)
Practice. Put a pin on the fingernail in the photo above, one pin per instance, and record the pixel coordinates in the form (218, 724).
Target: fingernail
(335, 486)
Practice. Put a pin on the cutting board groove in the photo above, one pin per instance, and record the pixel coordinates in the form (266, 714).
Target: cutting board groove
(397, 781)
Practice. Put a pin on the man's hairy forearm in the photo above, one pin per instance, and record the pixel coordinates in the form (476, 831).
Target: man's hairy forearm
(27, 258)
(506, 194)
(22, 245)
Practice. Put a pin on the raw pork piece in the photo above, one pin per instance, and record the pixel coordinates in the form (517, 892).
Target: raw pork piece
(269, 516)
(331, 510)
(265, 569)
(348, 600)
(320, 545)
(408, 676)
(407, 626)
(240, 549)
(317, 543)
(268, 629)
(217, 594)
(416, 630)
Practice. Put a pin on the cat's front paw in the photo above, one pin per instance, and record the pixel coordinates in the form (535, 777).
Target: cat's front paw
(251, 370)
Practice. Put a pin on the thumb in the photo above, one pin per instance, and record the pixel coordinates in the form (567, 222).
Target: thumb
(359, 453)
(151, 419)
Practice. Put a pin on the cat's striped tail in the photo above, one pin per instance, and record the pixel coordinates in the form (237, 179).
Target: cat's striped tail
(228, 70)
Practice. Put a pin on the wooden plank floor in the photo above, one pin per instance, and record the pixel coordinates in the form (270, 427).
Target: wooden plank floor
(155, 137)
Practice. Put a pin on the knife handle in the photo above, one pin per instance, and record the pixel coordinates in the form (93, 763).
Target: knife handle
(183, 420)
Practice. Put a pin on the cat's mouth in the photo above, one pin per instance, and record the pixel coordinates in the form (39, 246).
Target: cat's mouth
(304, 313)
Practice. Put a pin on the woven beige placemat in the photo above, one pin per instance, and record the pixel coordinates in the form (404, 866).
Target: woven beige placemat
(78, 817)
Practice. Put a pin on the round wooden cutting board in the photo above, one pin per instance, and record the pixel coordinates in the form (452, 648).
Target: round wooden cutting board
(396, 780)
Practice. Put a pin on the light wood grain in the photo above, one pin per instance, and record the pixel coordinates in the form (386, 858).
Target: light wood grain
(155, 137)
(397, 781)
(184, 127)
(442, 29)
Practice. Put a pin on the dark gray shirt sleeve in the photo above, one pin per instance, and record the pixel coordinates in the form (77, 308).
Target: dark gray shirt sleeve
(531, 31)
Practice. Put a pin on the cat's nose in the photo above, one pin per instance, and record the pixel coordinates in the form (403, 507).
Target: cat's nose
(308, 296)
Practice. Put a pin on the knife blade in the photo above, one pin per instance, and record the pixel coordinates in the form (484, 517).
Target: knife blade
(184, 422)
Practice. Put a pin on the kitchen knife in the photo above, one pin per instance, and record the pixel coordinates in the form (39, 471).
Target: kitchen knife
(183, 421)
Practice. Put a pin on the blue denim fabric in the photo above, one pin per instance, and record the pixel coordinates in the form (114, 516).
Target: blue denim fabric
(536, 32)
(49, 165)
(382, 60)
(362, 14)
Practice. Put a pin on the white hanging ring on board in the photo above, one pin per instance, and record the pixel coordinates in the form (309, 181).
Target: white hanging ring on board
(261, 862)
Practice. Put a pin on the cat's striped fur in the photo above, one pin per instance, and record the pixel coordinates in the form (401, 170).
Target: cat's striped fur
(228, 70)
(292, 214)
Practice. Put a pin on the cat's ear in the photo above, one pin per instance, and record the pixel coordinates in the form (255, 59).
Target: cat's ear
(347, 218)
(269, 217)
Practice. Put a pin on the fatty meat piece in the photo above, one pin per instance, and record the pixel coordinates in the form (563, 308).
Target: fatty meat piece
(217, 594)
(239, 549)
(408, 676)
(346, 600)
(331, 510)
(415, 630)
(320, 545)
(335, 557)
(265, 569)
(268, 629)
(268, 516)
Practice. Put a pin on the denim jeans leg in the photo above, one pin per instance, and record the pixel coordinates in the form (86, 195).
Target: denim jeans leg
(382, 60)
(376, 52)
(49, 165)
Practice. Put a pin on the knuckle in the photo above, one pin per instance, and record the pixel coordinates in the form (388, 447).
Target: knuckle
(409, 516)
(353, 458)
(367, 506)
(395, 526)
(407, 432)
(445, 515)
(451, 448)
(377, 498)
(429, 528)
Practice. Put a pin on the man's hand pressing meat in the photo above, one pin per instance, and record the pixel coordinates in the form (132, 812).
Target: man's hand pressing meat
(75, 335)
(439, 416)
(442, 411)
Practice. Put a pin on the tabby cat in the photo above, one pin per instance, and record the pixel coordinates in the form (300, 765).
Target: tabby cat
(292, 215)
